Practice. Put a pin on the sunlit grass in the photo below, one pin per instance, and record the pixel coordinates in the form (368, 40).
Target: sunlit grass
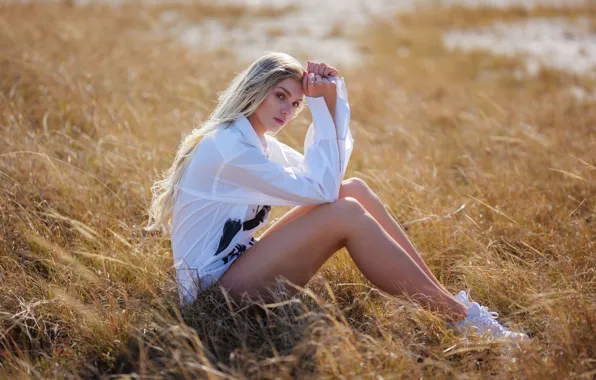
(491, 172)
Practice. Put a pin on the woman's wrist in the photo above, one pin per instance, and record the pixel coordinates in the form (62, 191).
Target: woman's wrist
(330, 101)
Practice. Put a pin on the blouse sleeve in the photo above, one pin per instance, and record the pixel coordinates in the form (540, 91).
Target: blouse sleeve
(245, 175)
(287, 156)
(287, 177)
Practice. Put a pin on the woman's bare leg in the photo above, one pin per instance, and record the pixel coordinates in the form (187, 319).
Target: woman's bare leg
(297, 249)
(358, 189)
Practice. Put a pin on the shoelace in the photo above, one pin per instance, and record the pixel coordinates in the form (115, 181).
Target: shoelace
(484, 309)
(490, 318)
(491, 314)
(467, 296)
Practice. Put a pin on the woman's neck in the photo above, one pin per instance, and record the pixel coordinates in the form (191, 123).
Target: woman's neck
(257, 125)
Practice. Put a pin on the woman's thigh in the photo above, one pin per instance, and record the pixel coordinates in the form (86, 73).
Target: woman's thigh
(296, 250)
(351, 187)
(287, 217)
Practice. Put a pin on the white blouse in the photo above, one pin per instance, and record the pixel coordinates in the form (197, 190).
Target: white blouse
(234, 177)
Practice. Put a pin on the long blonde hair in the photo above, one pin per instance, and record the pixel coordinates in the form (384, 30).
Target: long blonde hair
(246, 92)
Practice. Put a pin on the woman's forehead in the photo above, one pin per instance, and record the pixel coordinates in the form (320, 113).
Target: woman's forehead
(293, 86)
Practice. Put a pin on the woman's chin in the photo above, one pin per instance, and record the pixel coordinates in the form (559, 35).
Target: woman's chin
(275, 128)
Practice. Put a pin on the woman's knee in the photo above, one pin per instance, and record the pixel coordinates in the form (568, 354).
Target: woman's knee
(354, 187)
(347, 209)
(353, 217)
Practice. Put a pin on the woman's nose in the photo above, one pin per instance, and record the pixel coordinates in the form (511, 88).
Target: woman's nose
(285, 110)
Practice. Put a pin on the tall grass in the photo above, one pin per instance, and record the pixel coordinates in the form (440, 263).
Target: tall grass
(491, 172)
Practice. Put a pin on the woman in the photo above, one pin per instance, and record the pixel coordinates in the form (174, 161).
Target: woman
(229, 172)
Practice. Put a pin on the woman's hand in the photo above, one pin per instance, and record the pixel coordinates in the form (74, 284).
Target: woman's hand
(315, 86)
(321, 69)
(315, 81)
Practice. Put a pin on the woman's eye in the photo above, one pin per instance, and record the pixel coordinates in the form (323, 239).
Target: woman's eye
(296, 104)
(280, 95)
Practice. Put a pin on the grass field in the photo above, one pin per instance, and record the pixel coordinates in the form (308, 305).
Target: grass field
(491, 172)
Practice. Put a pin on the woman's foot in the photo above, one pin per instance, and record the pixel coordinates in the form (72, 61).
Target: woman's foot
(479, 320)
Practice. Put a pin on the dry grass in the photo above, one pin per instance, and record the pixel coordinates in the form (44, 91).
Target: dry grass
(93, 102)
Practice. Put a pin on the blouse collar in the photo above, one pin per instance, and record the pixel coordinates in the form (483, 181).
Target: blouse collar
(244, 125)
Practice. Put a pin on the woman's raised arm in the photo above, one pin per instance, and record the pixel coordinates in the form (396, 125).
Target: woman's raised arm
(287, 156)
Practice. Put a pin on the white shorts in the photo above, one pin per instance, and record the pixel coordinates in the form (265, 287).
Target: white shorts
(190, 284)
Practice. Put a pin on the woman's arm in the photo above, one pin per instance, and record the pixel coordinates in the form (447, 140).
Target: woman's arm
(330, 100)
(287, 217)
(337, 104)
(234, 171)
(322, 71)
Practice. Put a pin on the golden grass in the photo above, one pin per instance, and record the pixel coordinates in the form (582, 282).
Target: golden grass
(491, 173)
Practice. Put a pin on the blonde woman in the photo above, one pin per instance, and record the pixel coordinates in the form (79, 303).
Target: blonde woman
(229, 172)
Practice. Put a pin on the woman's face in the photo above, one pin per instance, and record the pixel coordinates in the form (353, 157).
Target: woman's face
(278, 108)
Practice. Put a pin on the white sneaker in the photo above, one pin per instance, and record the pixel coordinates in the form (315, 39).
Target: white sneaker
(479, 320)
(463, 297)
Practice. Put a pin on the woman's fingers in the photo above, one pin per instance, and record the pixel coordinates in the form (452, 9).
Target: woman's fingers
(315, 85)
(331, 71)
(315, 67)
(311, 83)
(305, 83)
(328, 84)
(321, 69)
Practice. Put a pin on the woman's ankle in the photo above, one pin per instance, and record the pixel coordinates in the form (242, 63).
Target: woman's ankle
(449, 307)
(457, 311)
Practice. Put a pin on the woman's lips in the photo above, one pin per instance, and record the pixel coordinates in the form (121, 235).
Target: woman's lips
(278, 121)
